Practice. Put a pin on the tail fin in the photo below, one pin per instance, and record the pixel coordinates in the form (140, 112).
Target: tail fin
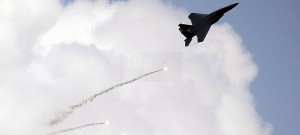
(185, 30)
(187, 41)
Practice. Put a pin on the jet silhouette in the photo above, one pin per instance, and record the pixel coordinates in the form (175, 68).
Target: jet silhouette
(201, 24)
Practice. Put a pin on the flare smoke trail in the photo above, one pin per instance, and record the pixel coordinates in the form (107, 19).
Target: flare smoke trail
(75, 128)
(60, 117)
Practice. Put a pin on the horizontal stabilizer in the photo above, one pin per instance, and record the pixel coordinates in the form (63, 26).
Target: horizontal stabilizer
(184, 26)
(185, 30)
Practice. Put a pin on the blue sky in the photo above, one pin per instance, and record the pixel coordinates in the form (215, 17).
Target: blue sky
(270, 31)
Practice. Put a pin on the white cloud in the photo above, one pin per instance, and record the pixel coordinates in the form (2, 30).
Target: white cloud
(53, 56)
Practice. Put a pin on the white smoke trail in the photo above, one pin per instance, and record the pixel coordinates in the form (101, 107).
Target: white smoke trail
(77, 127)
(64, 114)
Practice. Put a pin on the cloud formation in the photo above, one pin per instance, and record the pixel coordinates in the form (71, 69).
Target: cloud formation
(53, 56)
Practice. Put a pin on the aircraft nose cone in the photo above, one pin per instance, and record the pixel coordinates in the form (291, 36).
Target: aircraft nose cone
(226, 9)
(231, 6)
(235, 4)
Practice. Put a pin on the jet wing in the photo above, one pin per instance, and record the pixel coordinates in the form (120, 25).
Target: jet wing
(196, 17)
(202, 32)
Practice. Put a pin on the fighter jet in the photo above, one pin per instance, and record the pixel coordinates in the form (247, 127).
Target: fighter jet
(201, 24)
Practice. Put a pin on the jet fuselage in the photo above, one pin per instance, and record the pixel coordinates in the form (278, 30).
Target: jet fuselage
(201, 24)
(211, 18)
